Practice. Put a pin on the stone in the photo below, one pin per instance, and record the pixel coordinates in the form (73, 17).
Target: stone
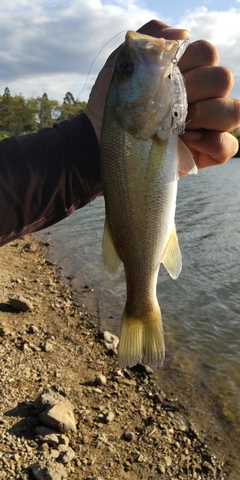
(44, 448)
(25, 347)
(20, 303)
(111, 341)
(54, 453)
(109, 417)
(97, 390)
(63, 440)
(48, 398)
(41, 431)
(148, 369)
(67, 456)
(125, 381)
(95, 478)
(5, 329)
(32, 329)
(34, 347)
(100, 380)
(63, 448)
(180, 423)
(143, 369)
(59, 416)
(103, 440)
(51, 439)
(162, 468)
(208, 467)
(49, 471)
(168, 461)
(129, 436)
(48, 347)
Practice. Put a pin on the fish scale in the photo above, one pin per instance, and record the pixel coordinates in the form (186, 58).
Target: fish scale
(139, 165)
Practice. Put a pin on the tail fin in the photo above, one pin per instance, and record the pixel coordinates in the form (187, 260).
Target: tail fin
(141, 338)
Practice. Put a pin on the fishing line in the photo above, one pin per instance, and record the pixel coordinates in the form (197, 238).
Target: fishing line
(90, 68)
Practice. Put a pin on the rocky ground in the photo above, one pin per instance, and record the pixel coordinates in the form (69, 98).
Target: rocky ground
(66, 410)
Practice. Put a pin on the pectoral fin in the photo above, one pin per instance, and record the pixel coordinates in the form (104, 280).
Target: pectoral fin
(110, 257)
(186, 163)
(172, 258)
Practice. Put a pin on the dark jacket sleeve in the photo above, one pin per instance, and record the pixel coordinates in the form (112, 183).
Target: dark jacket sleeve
(45, 176)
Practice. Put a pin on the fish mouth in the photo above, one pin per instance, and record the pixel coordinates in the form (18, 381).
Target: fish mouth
(151, 45)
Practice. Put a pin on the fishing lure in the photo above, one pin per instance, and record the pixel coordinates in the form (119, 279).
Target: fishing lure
(179, 95)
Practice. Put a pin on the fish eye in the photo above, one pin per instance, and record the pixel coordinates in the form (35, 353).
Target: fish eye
(126, 68)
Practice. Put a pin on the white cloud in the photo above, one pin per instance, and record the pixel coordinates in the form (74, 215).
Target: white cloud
(50, 45)
(217, 27)
(222, 30)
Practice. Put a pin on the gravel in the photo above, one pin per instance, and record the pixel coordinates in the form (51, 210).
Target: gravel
(66, 409)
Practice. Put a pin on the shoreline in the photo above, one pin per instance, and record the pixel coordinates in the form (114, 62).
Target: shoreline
(56, 344)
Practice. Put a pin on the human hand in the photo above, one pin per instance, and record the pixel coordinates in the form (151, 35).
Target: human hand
(211, 114)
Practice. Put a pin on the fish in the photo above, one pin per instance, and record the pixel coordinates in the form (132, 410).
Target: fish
(141, 156)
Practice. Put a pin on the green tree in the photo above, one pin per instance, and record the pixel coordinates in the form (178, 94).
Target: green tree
(47, 111)
(5, 106)
(7, 93)
(69, 99)
(70, 107)
(236, 133)
(17, 115)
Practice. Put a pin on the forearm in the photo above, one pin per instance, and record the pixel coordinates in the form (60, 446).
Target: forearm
(44, 177)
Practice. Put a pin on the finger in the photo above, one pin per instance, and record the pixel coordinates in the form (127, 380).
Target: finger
(160, 29)
(214, 148)
(198, 54)
(222, 114)
(208, 82)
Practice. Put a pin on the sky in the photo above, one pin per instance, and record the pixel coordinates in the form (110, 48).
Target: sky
(51, 45)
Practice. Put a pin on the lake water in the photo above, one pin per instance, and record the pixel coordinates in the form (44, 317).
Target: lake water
(201, 310)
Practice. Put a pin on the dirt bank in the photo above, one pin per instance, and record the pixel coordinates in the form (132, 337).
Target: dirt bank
(125, 427)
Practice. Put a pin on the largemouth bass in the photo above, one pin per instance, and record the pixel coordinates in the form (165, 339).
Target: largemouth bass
(141, 155)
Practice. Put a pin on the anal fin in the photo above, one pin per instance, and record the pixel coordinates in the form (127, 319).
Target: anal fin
(172, 258)
(110, 257)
